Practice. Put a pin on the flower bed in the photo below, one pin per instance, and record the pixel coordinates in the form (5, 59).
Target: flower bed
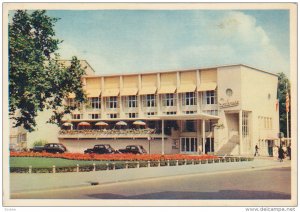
(114, 157)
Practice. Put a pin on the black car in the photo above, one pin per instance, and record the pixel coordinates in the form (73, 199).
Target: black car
(133, 149)
(51, 148)
(100, 149)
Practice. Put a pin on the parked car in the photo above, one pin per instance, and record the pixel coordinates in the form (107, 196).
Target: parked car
(50, 147)
(101, 149)
(133, 149)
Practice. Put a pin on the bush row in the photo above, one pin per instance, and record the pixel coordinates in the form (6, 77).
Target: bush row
(128, 164)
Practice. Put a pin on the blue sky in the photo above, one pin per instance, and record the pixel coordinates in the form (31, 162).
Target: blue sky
(126, 41)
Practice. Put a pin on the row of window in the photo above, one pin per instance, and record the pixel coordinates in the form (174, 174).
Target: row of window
(265, 122)
(136, 115)
(149, 101)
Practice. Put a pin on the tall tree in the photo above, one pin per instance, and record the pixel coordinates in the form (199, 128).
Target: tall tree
(38, 80)
(283, 89)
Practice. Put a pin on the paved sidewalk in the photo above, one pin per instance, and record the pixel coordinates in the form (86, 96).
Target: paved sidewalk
(46, 181)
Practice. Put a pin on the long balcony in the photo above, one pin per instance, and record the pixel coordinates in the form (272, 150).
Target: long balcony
(110, 133)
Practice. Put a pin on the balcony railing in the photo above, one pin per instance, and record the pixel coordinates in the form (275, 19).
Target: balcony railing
(111, 133)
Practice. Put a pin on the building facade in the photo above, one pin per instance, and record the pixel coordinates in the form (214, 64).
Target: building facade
(218, 110)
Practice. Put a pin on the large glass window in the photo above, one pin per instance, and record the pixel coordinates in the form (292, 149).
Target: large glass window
(188, 144)
(169, 99)
(245, 126)
(210, 97)
(94, 102)
(189, 99)
(131, 101)
(112, 102)
(149, 100)
(190, 126)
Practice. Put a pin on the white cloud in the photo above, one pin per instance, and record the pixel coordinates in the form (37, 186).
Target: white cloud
(233, 38)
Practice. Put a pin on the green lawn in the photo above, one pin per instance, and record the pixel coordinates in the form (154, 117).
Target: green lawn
(48, 162)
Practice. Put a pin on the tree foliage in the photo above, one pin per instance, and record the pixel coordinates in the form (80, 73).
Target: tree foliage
(38, 80)
(283, 88)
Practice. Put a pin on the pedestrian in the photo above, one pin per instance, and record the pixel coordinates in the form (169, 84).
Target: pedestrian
(289, 151)
(280, 154)
(256, 151)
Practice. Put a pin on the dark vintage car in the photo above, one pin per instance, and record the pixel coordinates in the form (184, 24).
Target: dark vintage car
(50, 147)
(133, 149)
(101, 149)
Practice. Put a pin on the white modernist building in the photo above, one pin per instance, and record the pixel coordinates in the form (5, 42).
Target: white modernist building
(216, 110)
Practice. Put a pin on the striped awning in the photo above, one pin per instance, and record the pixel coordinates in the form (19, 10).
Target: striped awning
(110, 92)
(147, 90)
(186, 88)
(128, 92)
(207, 86)
(167, 89)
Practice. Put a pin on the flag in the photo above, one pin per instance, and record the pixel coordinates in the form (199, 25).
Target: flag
(287, 102)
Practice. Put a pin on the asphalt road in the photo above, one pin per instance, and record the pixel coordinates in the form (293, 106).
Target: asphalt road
(255, 184)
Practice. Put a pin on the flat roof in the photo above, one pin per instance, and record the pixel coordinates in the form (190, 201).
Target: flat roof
(178, 70)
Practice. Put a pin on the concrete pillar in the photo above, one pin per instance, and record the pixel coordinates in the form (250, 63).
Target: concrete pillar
(198, 135)
(203, 136)
(240, 131)
(163, 137)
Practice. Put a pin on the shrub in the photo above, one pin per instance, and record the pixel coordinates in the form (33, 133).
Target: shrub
(40, 142)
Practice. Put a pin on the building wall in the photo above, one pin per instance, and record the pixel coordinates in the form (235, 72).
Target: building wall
(228, 78)
(262, 88)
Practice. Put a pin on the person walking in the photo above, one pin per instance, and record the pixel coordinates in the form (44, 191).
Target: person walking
(280, 154)
(256, 151)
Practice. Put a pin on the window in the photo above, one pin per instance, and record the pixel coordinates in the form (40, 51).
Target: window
(132, 115)
(94, 116)
(229, 92)
(94, 102)
(149, 100)
(210, 97)
(112, 115)
(151, 114)
(188, 144)
(189, 99)
(209, 126)
(76, 116)
(245, 126)
(168, 99)
(112, 102)
(131, 101)
(190, 112)
(171, 113)
(211, 112)
(190, 126)
(72, 103)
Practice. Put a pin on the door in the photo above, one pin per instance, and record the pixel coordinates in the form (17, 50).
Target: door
(188, 145)
(270, 147)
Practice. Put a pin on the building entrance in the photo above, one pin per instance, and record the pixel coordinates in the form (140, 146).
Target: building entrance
(188, 145)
